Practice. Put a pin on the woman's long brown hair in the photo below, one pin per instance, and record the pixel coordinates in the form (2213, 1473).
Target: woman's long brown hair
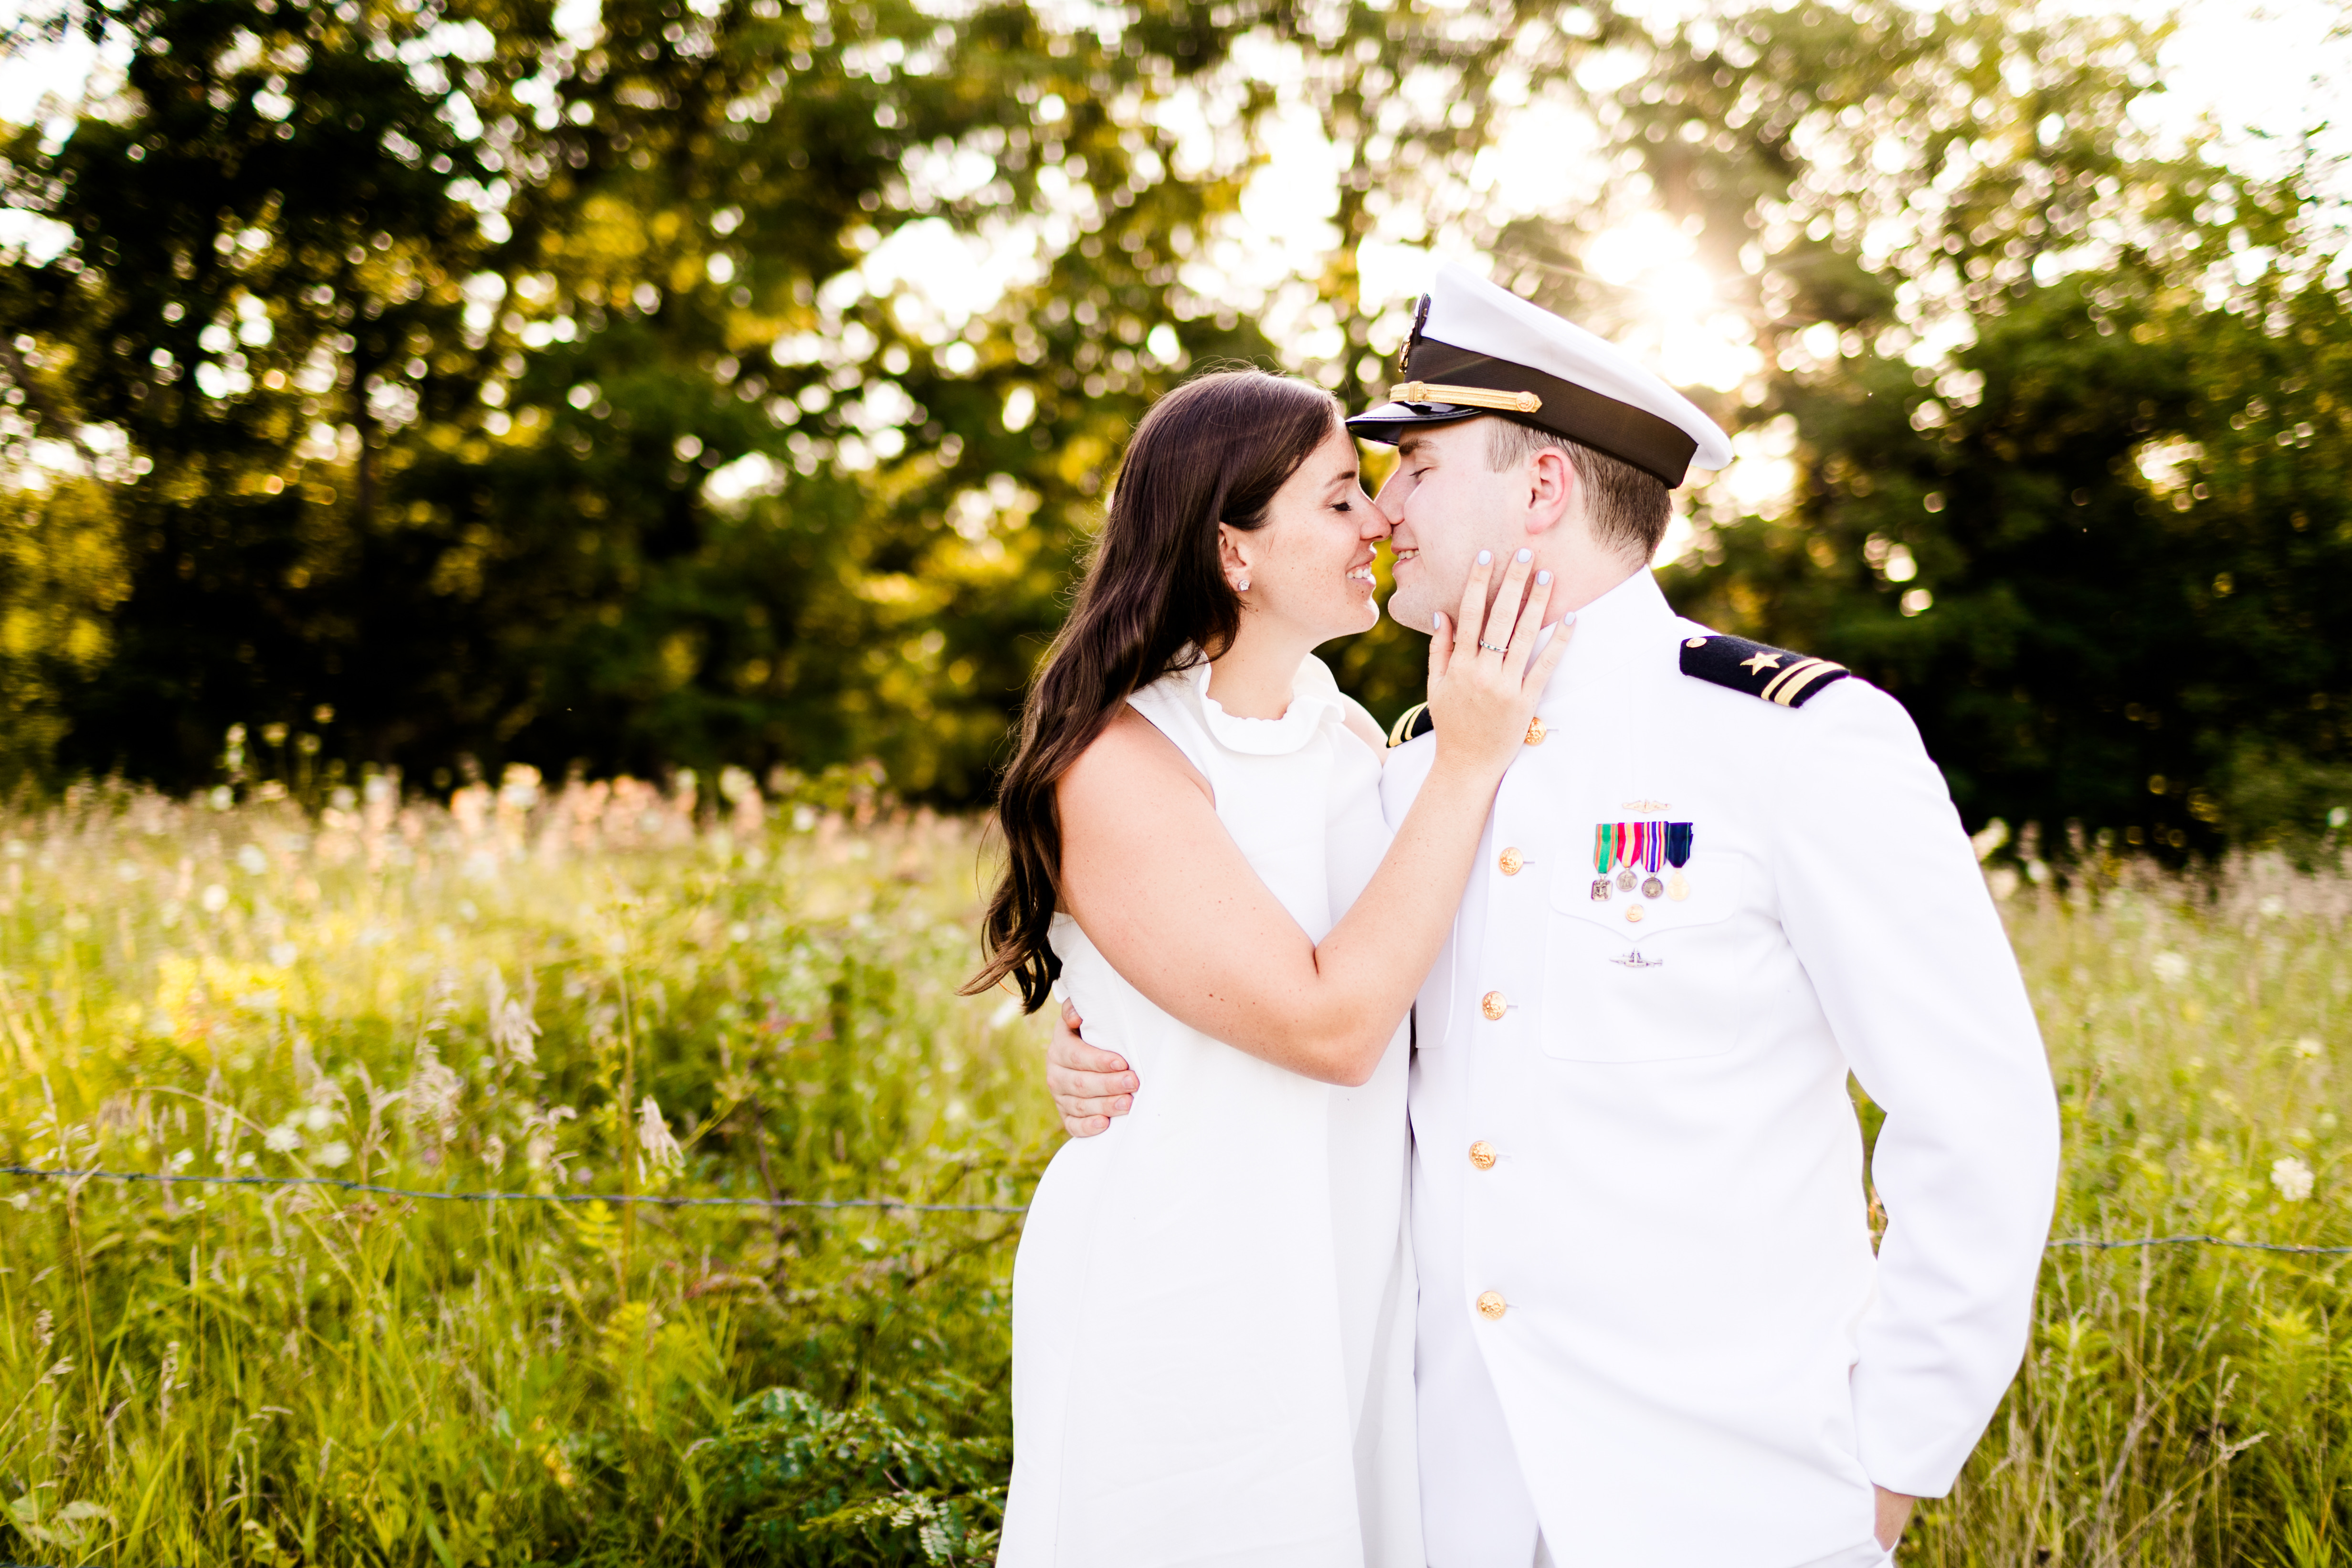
(1214, 450)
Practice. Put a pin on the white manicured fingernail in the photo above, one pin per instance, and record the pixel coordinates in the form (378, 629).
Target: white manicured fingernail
(1524, 557)
(1486, 558)
(1438, 620)
(1543, 577)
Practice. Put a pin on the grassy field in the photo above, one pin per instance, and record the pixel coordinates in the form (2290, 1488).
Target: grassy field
(598, 990)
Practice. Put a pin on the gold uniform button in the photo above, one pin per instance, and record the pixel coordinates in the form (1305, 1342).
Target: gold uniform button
(1510, 860)
(1536, 731)
(1482, 1154)
(1493, 1005)
(1491, 1305)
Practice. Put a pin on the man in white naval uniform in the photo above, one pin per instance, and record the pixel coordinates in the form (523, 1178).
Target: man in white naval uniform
(1653, 1332)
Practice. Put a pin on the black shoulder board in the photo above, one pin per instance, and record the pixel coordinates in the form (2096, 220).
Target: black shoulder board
(1776, 674)
(1414, 721)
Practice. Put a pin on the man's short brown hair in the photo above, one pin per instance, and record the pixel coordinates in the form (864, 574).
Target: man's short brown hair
(1628, 508)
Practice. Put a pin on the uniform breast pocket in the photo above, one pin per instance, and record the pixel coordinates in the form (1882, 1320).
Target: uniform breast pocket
(1661, 985)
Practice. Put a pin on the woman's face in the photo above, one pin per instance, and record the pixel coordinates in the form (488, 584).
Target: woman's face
(1310, 565)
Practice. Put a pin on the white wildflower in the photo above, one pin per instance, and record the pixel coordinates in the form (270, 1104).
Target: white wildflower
(539, 1149)
(654, 1137)
(432, 1093)
(512, 1030)
(2170, 968)
(215, 899)
(282, 1140)
(2291, 1177)
(334, 1154)
(2308, 1046)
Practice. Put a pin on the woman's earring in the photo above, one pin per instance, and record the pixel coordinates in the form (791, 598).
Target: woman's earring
(1242, 587)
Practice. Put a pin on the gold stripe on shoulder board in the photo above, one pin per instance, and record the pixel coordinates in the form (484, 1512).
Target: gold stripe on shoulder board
(1402, 730)
(1796, 678)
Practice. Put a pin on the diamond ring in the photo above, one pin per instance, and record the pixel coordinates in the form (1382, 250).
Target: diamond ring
(1492, 648)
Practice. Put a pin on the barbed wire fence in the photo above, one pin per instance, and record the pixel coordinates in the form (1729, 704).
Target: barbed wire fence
(650, 1199)
(664, 1201)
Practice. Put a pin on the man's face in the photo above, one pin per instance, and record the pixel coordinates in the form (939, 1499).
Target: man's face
(1447, 504)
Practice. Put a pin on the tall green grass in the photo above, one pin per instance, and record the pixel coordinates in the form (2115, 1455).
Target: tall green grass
(596, 991)
(582, 994)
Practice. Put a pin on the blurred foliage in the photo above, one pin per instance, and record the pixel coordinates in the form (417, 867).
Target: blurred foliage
(2070, 424)
(462, 391)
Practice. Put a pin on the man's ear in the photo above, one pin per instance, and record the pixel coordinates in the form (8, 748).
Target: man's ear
(1553, 486)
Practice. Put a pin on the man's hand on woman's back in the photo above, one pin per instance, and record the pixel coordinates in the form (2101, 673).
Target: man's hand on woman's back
(1089, 1086)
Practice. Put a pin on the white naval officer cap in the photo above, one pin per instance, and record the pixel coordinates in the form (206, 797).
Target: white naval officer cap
(1479, 349)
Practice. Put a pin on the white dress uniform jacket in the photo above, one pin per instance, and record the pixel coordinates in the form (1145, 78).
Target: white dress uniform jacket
(1651, 1322)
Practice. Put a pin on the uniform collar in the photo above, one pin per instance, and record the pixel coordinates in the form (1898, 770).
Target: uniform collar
(1626, 627)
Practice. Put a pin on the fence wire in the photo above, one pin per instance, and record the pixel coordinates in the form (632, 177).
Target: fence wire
(653, 1200)
(656, 1200)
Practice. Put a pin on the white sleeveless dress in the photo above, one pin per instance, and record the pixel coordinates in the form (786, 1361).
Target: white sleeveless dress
(1212, 1303)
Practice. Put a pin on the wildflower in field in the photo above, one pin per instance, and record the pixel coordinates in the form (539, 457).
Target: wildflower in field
(512, 1030)
(539, 1151)
(2291, 1177)
(334, 1154)
(433, 1095)
(2307, 1046)
(2170, 968)
(654, 1137)
(282, 1140)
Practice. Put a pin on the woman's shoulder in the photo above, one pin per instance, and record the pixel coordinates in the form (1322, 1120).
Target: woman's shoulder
(1130, 760)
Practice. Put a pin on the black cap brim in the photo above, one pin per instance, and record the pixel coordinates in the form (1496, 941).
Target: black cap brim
(1389, 422)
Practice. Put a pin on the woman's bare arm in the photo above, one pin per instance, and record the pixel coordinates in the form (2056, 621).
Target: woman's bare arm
(1156, 883)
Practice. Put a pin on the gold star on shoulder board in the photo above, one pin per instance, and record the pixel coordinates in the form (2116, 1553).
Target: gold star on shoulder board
(1761, 662)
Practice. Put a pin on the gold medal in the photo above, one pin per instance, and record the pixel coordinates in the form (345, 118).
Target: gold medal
(1651, 887)
(1677, 887)
(1625, 879)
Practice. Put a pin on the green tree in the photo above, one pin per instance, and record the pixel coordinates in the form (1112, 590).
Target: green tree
(2067, 418)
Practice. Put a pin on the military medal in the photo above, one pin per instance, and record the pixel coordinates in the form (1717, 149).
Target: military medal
(1677, 851)
(1603, 851)
(1652, 837)
(1625, 853)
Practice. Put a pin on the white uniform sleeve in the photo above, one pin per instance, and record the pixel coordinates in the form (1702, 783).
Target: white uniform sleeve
(1882, 898)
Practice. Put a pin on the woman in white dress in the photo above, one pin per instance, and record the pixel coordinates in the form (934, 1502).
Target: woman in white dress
(1197, 859)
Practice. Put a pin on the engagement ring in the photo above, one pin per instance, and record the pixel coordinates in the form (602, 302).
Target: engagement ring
(1492, 648)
